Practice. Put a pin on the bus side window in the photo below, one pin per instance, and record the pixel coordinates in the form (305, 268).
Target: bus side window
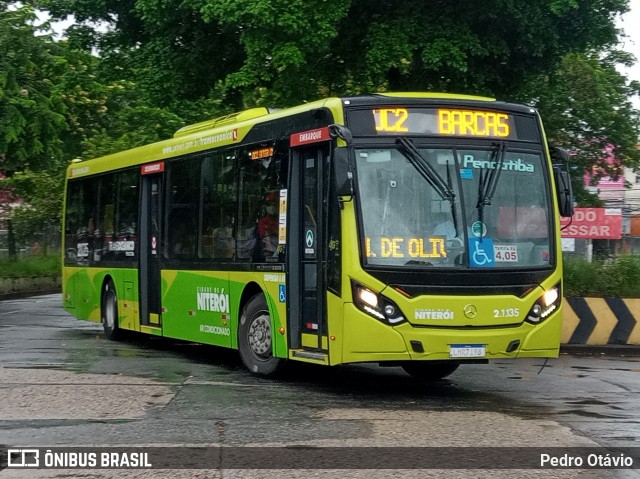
(222, 239)
(218, 206)
(246, 244)
(72, 220)
(261, 181)
(127, 214)
(183, 208)
(183, 238)
(104, 222)
(251, 184)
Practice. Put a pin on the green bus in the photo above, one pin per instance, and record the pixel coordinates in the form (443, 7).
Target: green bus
(410, 229)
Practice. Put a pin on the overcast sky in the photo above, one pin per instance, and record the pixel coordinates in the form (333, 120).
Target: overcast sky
(630, 22)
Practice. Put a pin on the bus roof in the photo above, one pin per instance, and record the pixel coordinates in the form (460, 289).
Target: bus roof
(222, 131)
(232, 129)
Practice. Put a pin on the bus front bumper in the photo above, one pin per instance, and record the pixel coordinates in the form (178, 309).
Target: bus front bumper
(367, 340)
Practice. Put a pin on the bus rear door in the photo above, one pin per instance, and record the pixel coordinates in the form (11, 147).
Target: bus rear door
(150, 217)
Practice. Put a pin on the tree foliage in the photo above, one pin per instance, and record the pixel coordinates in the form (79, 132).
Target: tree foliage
(587, 110)
(164, 62)
(56, 105)
(37, 219)
(129, 127)
(283, 52)
(31, 111)
(201, 58)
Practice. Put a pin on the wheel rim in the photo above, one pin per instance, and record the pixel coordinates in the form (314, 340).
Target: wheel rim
(259, 336)
(110, 314)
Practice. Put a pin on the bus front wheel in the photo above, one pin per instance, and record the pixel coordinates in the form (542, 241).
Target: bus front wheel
(255, 338)
(430, 370)
(110, 312)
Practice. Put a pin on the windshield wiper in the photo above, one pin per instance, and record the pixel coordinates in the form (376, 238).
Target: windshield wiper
(489, 178)
(426, 170)
(454, 213)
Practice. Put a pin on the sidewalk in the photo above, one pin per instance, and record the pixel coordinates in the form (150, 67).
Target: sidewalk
(13, 288)
(619, 350)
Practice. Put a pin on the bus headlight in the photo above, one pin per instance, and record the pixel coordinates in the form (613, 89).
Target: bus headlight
(381, 308)
(546, 305)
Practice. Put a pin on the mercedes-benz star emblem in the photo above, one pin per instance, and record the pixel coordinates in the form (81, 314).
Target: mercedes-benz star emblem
(470, 311)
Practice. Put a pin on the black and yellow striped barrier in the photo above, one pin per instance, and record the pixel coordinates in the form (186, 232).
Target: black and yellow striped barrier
(601, 321)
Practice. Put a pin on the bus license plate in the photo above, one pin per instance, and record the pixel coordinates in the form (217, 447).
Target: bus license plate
(468, 351)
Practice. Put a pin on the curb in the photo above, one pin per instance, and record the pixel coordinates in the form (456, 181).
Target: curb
(621, 350)
(29, 294)
(24, 286)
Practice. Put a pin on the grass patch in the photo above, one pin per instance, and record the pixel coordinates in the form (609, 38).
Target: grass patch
(618, 278)
(31, 266)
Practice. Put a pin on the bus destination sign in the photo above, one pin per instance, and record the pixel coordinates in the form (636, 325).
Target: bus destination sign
(261, 153)
(442, 121)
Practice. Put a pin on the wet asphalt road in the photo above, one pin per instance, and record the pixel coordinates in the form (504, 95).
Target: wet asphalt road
(62, 383)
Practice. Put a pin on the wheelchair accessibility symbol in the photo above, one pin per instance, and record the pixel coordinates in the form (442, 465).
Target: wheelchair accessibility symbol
(481, 252)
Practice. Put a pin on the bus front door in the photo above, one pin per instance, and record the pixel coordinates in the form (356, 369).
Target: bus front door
(150, 215)
(306, 294)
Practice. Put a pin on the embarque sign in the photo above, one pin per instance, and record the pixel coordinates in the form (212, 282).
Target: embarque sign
(593, 223)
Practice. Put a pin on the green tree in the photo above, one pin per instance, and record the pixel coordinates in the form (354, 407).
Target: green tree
(56, 105)
(287, 46)
(586, 108)
(201, 58)
(176, 58)
(283, 52)
(31, 111)
(130, 124)
(38, 219)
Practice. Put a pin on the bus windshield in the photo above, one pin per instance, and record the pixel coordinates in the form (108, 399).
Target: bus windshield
(487, 219)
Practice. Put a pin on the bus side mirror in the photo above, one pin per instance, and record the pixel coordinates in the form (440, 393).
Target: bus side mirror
(342, 132)
(564, 192)
(342, 176)
(559, 155)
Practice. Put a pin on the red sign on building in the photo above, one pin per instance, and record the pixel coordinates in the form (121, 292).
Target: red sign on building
(593, 223)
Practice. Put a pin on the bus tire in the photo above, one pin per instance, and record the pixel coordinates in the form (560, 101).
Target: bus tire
(109, 312)
(430, 370)
(255, 339)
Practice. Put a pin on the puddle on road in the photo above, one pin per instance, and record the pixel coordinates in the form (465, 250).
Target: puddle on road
(592, 414)
(587, 402)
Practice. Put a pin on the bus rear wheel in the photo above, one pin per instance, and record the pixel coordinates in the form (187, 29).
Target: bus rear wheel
(109, 312)
(430, 370)
(255, 341)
